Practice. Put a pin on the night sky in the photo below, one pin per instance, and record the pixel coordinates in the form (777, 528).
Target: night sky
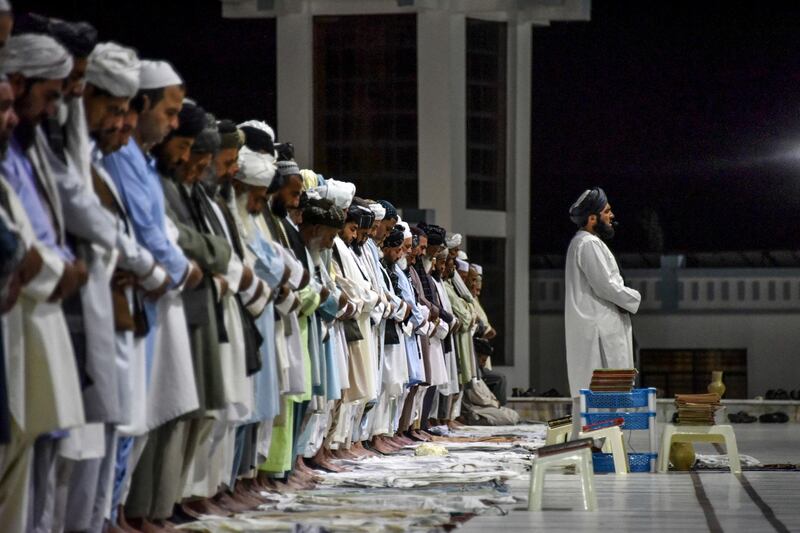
(687, 113)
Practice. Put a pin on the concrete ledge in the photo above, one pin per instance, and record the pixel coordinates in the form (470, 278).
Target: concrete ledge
(542, 409)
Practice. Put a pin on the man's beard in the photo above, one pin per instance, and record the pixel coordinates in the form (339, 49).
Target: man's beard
(426, 264)
(208, 179)
(278, 208)
(604, 231)
(105, 140)
(25, 133)
(403, 263)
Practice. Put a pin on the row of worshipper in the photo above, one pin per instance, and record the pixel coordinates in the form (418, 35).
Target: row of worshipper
(188, 318)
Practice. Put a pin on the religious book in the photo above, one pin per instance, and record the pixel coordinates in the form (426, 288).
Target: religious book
(559, 422)
(563, 447)
(697, 409)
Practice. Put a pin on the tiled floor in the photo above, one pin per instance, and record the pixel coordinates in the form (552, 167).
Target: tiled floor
(669, 502)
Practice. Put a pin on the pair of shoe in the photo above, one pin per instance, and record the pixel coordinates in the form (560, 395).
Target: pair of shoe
(516, 392)
(774, 418)
(781, 394)
(741, 418)
(552, 393)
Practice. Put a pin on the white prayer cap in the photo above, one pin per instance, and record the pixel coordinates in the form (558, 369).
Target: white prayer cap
(404, 226)
(462, 266)
(259, 125)
(378, 210)
(114, 68)
(5, 5)
(255, 169)
(157, 74)
(341, 193)
(462, 255)
(477, 268)
(453, 240)
(35, 55)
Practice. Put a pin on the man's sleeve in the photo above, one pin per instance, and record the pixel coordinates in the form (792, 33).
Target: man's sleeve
(606, 284)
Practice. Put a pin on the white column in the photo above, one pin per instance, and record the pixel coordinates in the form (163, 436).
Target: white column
(441, 105)
(518, 201)
(295, 82)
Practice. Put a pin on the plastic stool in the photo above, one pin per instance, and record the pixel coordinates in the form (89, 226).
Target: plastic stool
(613, 439)
(558, 434)
(581, 459)
(717, 433)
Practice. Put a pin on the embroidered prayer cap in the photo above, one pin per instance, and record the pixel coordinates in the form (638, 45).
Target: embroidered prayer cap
(477, 268)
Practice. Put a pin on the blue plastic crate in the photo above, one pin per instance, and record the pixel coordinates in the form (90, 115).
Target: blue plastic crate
(632, 420)
(637, 462)
(611, 400)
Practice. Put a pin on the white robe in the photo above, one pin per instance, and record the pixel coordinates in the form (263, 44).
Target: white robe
(43, 389)
(598, 332)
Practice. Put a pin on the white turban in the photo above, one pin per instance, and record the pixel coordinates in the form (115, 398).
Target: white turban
(115, 69)
(260, 125)
(406, 229)
(341, 193)
(462, 255)
(378, 210)
(477, 268)
(255, 169)
(157, 75)
(35, 56)
(462, 266)
(453, 240)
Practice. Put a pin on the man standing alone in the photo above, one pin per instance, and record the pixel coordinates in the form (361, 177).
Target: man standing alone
(597, 304)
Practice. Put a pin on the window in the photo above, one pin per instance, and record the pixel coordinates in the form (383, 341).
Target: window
(689, 371)
(365, 104)
(486, 114)
(490, 253)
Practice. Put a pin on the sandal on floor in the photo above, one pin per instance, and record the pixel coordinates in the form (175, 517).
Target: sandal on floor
(774, 418)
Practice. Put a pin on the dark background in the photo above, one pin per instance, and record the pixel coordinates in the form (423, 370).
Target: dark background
(228, 64)
(685, 112)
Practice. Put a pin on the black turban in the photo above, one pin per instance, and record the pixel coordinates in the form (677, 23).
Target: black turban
(79, 38)
(284, 151)
(395, 238)
(590, 202)
(391, 211)
(323, 212)
(360, 215)
(258, 140)
(435, 234)
(229, 134)
(191, 120)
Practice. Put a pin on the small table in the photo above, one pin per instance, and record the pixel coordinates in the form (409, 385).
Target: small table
(721, 433)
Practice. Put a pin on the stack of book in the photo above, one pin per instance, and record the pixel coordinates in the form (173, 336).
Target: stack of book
(613, 380)
(697, 409)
